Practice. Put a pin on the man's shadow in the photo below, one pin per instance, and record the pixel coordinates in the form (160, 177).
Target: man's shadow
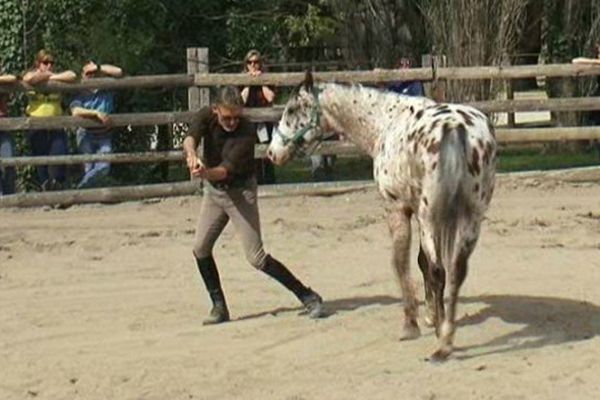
(543, 321)
(331, 307)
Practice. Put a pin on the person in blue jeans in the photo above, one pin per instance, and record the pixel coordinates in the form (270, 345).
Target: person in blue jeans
(47, 142)
(98, 105)
(7, 143)
(7, 174)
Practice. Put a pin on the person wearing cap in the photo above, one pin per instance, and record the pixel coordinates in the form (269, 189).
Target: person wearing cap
(97, 105)
(47, 142)
(230, 193)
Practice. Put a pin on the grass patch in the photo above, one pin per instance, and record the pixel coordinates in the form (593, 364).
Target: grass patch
(532, 159)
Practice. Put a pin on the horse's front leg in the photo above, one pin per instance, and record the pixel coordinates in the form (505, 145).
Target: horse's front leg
(398, 219)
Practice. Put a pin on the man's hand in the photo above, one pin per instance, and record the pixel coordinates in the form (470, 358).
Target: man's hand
(195, 165)
(105, 119)
(256, 72)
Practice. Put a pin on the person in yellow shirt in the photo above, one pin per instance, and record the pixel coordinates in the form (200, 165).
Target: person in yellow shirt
(45, 142)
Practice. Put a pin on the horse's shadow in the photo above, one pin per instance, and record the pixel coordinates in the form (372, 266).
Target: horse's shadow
(542, 321)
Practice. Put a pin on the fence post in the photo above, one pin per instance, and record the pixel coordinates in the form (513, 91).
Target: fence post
(437, 88)
(197, 61)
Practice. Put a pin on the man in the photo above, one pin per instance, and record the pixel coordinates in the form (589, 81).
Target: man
(230, 194)
(95, 104)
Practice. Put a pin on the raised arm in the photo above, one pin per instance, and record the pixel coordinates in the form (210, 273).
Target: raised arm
(7, 78)
(245, 93)
(585, 60)
(65, 76)
(269, 94)
(35, 76)
(110, 70)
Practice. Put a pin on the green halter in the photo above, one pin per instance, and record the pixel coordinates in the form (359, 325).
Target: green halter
(297, 139)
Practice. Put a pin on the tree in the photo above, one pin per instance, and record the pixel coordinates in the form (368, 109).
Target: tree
(473, 32)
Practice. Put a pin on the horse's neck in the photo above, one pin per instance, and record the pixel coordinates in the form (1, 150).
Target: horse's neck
(362, 114)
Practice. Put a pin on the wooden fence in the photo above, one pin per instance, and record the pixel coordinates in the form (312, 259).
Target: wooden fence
(198, 79)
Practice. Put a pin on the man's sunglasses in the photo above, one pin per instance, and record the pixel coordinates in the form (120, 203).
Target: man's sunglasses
(254, 62)
(48, 62)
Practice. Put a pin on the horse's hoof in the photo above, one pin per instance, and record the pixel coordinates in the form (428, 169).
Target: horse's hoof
(440, 355)
(410, 332)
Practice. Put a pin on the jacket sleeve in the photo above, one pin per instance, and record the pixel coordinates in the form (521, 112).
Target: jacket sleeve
(199, 126)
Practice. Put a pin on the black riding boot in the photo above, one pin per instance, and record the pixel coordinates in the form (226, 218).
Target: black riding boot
(210, 275)
(309, 298)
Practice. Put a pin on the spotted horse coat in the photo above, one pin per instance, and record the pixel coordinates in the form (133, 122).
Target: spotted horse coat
(434, 161)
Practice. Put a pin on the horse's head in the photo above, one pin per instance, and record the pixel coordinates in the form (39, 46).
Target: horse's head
(300, 127)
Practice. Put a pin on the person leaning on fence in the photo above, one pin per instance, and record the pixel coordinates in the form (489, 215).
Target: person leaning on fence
(227, 166)
(45, 142)
(260, 96)
(407, 88)
(97, 105)
(7, 143)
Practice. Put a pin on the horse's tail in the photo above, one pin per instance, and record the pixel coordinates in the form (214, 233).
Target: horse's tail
(451, 202)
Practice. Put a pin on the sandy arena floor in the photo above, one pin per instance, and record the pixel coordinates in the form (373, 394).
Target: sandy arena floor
(104, 302)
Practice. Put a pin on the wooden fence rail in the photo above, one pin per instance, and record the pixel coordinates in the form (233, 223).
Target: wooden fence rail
(295, 78)
(274, 114)
(201, 79)
(341, 148)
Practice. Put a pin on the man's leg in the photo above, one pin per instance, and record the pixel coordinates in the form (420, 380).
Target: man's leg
(91, 144)
(211, 223)
(243, 211)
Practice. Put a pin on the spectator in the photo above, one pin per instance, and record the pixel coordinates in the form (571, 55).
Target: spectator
(585, 60)
(408, 88)
(259, 96)
(7, 143)
(230, 194)
(95, 104)
(594, 115)
(46, 142)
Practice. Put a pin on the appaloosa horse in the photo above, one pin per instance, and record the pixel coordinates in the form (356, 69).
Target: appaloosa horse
(436, 161)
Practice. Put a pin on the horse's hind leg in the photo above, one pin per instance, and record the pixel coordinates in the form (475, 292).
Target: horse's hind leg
(424, 267)
(399, 225)
(457, 275)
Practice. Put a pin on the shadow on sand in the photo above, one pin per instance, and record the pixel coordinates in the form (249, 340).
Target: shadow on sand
(542, 321)
(331, 307)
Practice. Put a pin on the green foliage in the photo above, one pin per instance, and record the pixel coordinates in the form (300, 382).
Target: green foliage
(310, 27)
(151, 37)
(11, 58)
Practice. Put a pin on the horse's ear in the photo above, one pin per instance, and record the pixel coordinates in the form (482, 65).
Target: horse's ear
(308, 81)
